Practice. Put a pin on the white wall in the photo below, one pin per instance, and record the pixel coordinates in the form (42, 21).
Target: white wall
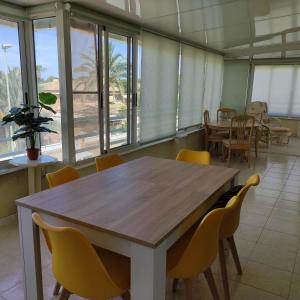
(235, 84)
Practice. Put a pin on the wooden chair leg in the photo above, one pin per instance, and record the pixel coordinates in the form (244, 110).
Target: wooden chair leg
(212, 284)
(235, 255)
(126, 296)
(65, 294)
(174, 285)
(188, 287)
(56, 289)
(224, 270)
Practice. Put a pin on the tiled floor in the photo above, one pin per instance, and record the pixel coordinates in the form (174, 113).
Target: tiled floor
(267, 241)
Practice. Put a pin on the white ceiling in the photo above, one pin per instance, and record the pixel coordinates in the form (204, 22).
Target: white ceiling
(232, 26)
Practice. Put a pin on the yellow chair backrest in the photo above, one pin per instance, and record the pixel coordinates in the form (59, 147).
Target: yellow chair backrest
(202, 249)
(231, 219)
(108, 161)
(76, 265)
(197, 157)
(62, 176)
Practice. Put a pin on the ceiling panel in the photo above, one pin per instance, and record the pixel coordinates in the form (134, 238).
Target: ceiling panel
(220, 24)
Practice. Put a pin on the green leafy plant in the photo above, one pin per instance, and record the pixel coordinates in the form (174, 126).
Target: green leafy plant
(29, 119)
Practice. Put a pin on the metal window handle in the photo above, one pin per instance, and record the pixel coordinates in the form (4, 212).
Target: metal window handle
(101, 101)
(134, 99)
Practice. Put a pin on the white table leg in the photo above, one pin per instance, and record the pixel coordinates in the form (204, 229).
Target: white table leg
(34, 180)
(148, 273)
(31, 253)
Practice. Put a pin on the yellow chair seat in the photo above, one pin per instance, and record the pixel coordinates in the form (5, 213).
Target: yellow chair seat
(113, 263)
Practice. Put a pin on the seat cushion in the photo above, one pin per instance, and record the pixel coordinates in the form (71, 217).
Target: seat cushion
(117, 266)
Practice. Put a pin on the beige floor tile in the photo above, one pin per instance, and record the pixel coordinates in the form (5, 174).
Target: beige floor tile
(291, 189)
(248, 232)
(292, 181)
(267, 192)
(244, 292)
(285, 204)
(290, 196)
(297, 264)
(10, 272)
(295, 288)
(283, 226)
(15, 293)
(267, 278)
(263, 209)
(281, 258)
(278, 240)
(286, 214)
(253, 219)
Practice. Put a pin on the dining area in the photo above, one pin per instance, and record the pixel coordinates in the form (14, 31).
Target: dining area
(127, 228)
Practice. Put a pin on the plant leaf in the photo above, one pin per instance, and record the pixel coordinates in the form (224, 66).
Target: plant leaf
(47, 107)
(47, 98)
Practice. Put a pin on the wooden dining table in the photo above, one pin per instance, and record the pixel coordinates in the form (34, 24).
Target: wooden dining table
(138, 209)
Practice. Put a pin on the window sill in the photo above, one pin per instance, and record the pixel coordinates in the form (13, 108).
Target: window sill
(6, 168)
(134, 148)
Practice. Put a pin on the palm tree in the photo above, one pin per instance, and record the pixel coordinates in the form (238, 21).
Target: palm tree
(117, 66)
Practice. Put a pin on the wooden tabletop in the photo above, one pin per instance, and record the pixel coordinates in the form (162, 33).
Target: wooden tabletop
(223, 125)
(143, 200)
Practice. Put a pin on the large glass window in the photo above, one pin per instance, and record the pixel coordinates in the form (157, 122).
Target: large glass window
(84, 44)
(119, 90)
(278, 85)
(46, 58)
(11, 93)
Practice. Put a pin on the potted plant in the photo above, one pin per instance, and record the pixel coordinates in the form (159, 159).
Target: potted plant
(31, 123)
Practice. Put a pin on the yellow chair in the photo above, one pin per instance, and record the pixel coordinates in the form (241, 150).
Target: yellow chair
(194, 253)
(62, 176)
(228, 227)
(109, 161)
(54, 179)
(80, 269)
(197, 157)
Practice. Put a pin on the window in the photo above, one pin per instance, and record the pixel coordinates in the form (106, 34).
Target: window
(84, 45)
(11, 92)
(46, 59)
(102, 88)
(159, 87)
(278, 85)
(119, 92)
(191, 86)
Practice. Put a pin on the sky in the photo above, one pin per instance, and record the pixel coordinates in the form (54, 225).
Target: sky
(46, 46)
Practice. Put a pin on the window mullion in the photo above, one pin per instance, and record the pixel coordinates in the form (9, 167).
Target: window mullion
(65, 72)
(134, 90)
(129, 94)
(106, 89)
(100, 88)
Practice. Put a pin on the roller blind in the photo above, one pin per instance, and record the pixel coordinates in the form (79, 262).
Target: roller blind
(191, 86)
(213, 83)
(159, 87)
(279, 86)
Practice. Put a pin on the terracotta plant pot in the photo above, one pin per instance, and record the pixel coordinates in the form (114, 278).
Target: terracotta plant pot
(33, 153)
